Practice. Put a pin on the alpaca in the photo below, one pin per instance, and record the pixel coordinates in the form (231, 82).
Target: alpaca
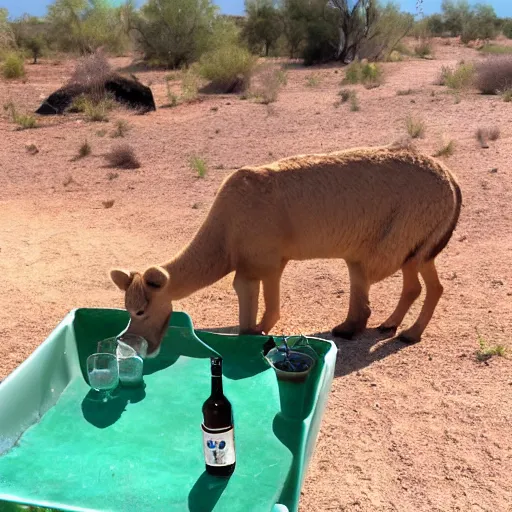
(379, 209)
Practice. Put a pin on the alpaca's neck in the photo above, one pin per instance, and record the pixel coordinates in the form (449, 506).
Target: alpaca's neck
(201, 263)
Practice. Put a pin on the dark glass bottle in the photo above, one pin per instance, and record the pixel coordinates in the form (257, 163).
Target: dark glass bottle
(218, 427)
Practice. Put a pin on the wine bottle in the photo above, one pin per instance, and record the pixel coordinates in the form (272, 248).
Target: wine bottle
(218, 427)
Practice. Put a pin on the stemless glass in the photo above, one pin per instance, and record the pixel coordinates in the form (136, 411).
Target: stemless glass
(103, 373)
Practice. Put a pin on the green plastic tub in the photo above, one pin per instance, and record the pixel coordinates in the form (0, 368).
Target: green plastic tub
(63, 449)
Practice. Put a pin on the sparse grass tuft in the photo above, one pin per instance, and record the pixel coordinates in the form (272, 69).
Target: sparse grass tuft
(13, 66)
(345, 95)
(447, 149)
(485, 352)
(354, 102)
(507, 95)
(405, 92)
(459, 78)
(173, 98)
(415, 127)
(424, 49)
(24, 121)
(84, 150)
(312, 80)
(122, 127)
(481, 137)
(95, 110)
(189, 86)
(122, 156)
(108, 204)
(198, 164)
(112, 175)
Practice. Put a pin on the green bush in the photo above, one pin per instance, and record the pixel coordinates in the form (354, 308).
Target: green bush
(367, 73)
(13, 66)
(506, 28)
(228, 69)
(496, 49)
(461, 77)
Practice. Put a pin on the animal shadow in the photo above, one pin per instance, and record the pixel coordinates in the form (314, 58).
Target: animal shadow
(370, 346)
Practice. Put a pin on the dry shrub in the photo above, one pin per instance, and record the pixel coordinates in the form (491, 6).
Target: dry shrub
(122, 156)
(91, 72)
(484, 134)
(494, 75)
(267, 83)
(494, 133)
(424, 49)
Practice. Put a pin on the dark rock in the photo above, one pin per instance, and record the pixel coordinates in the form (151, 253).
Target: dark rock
(128, 91)
(131, 93)
(60, 100)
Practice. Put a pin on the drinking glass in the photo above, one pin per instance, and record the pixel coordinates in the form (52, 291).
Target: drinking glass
(103, 373)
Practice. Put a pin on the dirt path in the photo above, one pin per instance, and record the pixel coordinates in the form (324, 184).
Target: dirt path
(409, 428)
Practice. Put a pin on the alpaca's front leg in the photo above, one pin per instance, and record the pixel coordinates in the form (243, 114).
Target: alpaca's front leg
(271, 295)
(359, 307)
(248, 291)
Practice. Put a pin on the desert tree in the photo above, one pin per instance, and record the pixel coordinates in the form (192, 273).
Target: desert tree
(86, 25)
(30, 33)
(172, 32)
(264, 25)
(7, 39)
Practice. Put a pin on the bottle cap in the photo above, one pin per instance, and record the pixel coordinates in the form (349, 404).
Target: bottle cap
(216, 364)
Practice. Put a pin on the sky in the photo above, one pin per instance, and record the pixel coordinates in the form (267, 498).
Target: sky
(16, 8)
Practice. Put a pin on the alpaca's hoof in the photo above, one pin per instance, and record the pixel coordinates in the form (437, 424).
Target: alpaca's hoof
(387, 329)
(343, 332)
(407, 338)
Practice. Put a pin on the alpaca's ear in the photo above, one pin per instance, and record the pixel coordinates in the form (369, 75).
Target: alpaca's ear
(156, 277)
(121, 278)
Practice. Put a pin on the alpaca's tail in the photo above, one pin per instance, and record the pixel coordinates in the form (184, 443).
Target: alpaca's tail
(443, 241)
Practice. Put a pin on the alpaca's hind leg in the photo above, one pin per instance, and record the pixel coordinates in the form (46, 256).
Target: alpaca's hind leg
(271, 295)
(248, 291)
(359, 304)
(434, 291)
(411, 290)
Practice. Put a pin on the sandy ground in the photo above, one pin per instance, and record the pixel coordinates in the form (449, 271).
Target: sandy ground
(408, 428)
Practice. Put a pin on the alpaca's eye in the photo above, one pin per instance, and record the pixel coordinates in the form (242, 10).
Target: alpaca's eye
(140, 313)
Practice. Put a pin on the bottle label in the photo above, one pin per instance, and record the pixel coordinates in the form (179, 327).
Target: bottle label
(219, 448)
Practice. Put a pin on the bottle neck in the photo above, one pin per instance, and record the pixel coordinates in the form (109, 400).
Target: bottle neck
(217, 385)
(216, 369)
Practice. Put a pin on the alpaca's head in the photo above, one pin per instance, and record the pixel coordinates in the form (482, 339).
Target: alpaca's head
(147, 300)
